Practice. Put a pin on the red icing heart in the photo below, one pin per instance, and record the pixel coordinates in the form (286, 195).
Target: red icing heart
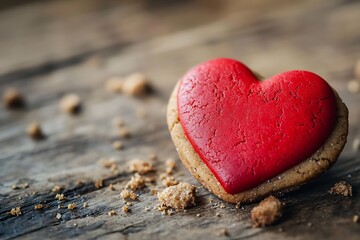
(248, 131)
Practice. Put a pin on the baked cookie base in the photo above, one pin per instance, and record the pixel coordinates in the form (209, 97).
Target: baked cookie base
(319, 162)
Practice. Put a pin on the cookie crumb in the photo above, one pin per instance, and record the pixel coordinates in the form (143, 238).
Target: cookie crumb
(58, 216)
(21, 186)
(60, 197)
(135, 84)
(124, 132)
(57, 188)
(38, 207)
(15, 211)
(146, 209)
(111, 187)
(125, 208)
(167, 180)
(99, 183)
(135, 182)
(70, 103)
(117, 145)
(71, 206)
(13, 99)
(85, 205)
(238, 205)
(152, 156)
(267, 212)
(112, 213)
(222, 206)
(170, 164)
(15, 187)
(217, 214)
(110, 164)
(341, 188)
(141, 166)
(198, 215)
(353, 86)
(34, 131)
(153, 192)
(128, 194)
(223, 232)
(355, 219)
(114, 84)
(179, 196)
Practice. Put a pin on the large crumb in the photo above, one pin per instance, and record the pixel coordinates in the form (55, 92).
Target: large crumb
(342, 188)
(114, 84)
(15, 211)
(140, 166)
(70, 103)
(267, 212)
(135, 182)
(128, 194)
(135, 84)
(178, 197)
(167, 180)
(12, 99)
(34, 131)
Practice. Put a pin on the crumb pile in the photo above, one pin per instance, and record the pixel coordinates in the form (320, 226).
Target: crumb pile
(267, 212)
(179, 197)
(341, 188)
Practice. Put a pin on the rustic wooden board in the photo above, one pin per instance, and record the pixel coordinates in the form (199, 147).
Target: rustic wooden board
(50, 48)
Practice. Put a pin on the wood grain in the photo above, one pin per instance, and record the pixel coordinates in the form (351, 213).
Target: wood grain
(51, 48)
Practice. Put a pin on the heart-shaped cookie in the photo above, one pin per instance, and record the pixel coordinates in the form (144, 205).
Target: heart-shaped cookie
(246, 132)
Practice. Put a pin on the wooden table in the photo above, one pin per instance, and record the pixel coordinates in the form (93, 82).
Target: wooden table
(51, 48)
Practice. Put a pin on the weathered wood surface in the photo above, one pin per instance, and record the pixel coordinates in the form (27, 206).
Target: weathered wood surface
(49, 48)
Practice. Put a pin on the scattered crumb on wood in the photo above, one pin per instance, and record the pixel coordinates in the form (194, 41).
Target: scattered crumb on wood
(112, 213)
(124, 132)
(85, 205)
(125, 208)
(167, 180)
(13, 99)
(34, 131)
(170, 165)
(60, 197)
(238, 205)
(217, 214)
(70, 103)
(222, 206)
(146, 209)
(128, 194)
(135, 182)
(20, 186)
(353, 86)
(141, 166)
(149, 179)
(198, 215)
(135, 84)
(38, 207)
(110, 164)
(355, 219)
(58, 216)
(223, 232)
(117, 145)
(71, 206)
(99, 183)
(79, 183)
(179, 196)
(57, 188)
(114, 84)
(111, 187)
(152, 156)
(267, 212)
(153, 192)
(341, 188)
(15, 211)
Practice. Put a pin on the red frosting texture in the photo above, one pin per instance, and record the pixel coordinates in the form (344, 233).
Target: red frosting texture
(248, 130)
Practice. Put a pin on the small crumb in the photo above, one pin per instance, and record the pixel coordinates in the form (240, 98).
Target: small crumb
(128, 194)
(95, 62)
(357, 69)
(13, 99)
(353, 86)
(60, 197)
(309, 224)
(238, 205)
(170, 163)
(152, 156)
(112, 213)
(211, 200)
(111, 187)
(107, 163)
(179, 196)
(70, 104)
(341, 188)
(135, 84)
(217, 214)
(114, 84)
(356, 144)
(38, 206)
(141, 166)
(79, 183)
(146, 209)
(15, 211)
(168, 181)
(135, 182)
(118, 122)
(99, 183)
(125, 209)
(223, 232)
(57, 188)
(149, 179)
(153, 192)
(58, 216)
(85, 205)
(198, 215)
(267, 212)
(20, 186)
(118, 145)
(124, 132)
(355, 219)
(34, 131)
(71, 206)
(222, 206)
(15, 187)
